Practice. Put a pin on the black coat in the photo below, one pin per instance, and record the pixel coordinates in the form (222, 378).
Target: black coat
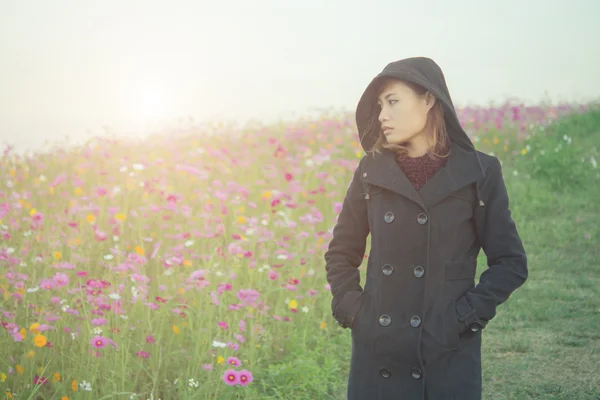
(416, 325)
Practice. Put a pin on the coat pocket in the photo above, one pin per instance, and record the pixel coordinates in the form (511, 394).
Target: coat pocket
(451, 324)
(357, 318)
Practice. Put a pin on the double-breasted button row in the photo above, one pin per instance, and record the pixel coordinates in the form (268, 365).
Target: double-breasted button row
(385, 320)
(387, 270)
(386, 373)
(389, 218)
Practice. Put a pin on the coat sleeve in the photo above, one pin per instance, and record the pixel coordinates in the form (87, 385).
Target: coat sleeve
(503, 247)
(345, 253)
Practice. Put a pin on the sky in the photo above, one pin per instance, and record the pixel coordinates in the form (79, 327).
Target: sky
(68, 68)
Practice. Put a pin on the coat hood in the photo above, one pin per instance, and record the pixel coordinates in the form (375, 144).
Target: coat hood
(424, 72)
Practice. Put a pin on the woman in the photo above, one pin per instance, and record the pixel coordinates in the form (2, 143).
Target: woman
(430, 202)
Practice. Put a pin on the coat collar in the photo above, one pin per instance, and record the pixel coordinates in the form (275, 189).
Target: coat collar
(461, 169)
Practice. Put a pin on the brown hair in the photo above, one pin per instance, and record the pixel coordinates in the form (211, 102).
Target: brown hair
(435, 119)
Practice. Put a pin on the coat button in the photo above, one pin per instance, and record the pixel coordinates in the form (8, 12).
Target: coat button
(416, 373)
(387, 269)
(364, 174)
(385, 320)
(386, 373)
(389, 217)
(415, 321)
(422, 218)
(419, 271)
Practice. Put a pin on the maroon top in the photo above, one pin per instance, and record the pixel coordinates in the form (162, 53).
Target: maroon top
(419, 169)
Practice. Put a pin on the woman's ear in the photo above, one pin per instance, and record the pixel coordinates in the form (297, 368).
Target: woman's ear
(429, 100)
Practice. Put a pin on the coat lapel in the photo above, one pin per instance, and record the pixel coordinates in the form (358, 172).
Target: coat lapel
(461, 169)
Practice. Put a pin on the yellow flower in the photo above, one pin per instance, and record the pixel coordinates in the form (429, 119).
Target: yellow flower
(20, 369)
(56, 377)
(32, 212)
(266, 195)
(2, 377)
(181, 290)
(120, 217)
(74, 385)
(524, 151)
(57, 255)
(187, 263)
(78, 191)
(496, 140)
(23, 333)
(293, 304)
(241, 219)
(30, 354)
(139, 250)
(220, 360)
(241, 209)
(90, 218)
(8, 394)
(40, 340)
(51, 190)
(176, 329)
(323, 325)
(64, 398)
(505, 148)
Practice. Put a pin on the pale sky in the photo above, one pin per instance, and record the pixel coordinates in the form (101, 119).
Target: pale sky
(71, 66)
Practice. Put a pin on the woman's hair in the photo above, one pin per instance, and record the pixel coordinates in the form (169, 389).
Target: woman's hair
(438, 138)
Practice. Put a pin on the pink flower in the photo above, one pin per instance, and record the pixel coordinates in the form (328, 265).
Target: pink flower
(39, 380)
(245, 377)
(142, 354)
(234, 361)
(98, 342)
(231, 377)
(207, 367)
(61, 279)
(223, 325)
(98, 321)
(150, 339)
(273, 275)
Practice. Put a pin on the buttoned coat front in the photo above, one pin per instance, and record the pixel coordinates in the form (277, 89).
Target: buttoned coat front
(414, 323)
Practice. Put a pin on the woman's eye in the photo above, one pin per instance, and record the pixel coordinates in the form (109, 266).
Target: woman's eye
(393, 101)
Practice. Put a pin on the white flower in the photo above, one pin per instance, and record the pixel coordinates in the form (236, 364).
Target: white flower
(108, 257)
(515, 172)
(188, 243)
(85, 386)
(73, 336)
(594, 162)
(23, 264)
(192, 382)
(10, 250)
(33, 289)
(65, 307)
(43, 178)
(219, 273)
(168, 272)
(138, 167)
(304, 309)
(123, 168)
(264, 222)
(97, 330)
(114, 296)
(115, 238)
(123, 316)
(282, 257)
(9, 183)
(27, 233)
(218, 344)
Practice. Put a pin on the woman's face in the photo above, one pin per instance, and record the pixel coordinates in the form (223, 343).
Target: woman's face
(403, 113)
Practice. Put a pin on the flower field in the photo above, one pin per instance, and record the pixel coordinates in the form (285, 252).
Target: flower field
(190, 266)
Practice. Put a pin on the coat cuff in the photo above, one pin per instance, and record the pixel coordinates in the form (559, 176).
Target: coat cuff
(467, 316)
(348, 308)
